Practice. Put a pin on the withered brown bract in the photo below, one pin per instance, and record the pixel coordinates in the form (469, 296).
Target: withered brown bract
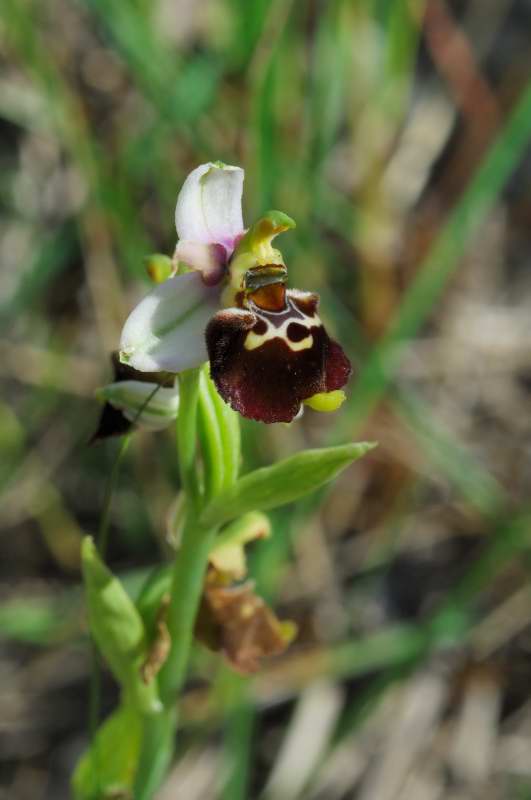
(233, 619)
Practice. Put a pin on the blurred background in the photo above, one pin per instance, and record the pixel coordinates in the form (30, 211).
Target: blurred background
(396, 134)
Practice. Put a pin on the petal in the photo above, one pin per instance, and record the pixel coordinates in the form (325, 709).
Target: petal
(265, 364)
(166, 329)
(209, 206)
(208, 259)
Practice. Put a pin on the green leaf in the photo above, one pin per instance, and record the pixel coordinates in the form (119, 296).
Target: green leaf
(283, 482)
(107, 769)
(117, 628)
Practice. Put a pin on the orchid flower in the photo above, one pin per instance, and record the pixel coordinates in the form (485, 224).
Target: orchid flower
(268, 350)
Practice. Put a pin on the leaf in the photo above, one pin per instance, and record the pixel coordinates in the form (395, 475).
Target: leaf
(117, 628)
(108, 767)
(282, 483)
(236, 621)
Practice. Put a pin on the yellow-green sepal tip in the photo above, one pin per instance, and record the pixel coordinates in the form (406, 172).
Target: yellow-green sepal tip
(159, 267)
(326, 401)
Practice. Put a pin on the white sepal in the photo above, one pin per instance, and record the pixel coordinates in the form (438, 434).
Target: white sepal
(166, 330)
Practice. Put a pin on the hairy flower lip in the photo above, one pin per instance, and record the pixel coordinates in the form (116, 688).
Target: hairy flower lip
(265, 364)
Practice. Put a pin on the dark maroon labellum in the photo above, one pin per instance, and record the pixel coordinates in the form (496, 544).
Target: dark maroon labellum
(270, 356)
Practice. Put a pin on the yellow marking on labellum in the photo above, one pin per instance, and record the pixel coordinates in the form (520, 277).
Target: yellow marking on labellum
(254, 340)
(326, 401)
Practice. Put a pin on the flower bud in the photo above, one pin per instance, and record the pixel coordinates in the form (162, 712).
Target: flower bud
(130, 398)
(159, 267)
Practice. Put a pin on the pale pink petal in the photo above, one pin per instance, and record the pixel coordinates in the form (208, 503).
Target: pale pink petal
(209, 206)
(208, 259)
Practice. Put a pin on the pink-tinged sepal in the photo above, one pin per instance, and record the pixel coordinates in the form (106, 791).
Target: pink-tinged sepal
(266, 362)
(208, 259)
(209, 207)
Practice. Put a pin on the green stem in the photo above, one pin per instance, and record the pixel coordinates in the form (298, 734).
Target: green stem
(192, 557)
(155, 754)
(187, 433)
(187, 585)
(228, 425)
(211, 443)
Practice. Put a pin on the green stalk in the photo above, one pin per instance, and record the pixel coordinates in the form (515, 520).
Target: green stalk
(187, 585)
(187, 432)
(229, 429)
(211, 443)
(187, 578)
(156, 752)
(192, 557)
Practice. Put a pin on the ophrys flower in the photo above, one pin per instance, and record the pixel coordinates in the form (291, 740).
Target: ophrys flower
(268, 349)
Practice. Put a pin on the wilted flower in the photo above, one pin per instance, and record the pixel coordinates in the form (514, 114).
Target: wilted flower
(268, 349)
(234, 620)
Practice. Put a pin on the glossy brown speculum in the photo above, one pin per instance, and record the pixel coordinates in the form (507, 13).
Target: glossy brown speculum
(269, 298)
(259, 277)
